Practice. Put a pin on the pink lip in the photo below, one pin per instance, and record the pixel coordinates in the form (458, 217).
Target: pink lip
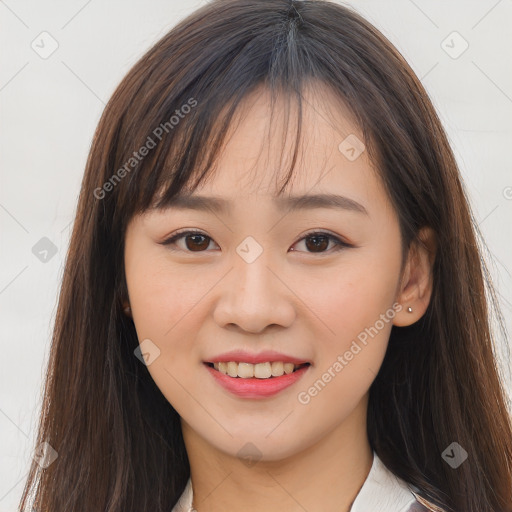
(256, 388)
(241, 356)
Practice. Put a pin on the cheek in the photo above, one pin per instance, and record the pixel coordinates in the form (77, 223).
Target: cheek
(352, 297)
(166, 306)
(165, 302)
(354, 312)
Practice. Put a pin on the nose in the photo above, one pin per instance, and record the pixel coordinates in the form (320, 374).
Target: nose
(255, 296)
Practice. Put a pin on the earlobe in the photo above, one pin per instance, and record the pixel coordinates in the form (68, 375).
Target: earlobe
(127, 309)
(417, 279)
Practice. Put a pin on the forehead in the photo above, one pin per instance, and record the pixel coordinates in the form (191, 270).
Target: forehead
(331, 163)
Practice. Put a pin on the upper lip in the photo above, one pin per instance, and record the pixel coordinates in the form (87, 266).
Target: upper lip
(260, 357)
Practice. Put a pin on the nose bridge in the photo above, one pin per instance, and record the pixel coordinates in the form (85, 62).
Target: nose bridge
(254, 296)
(253, 279)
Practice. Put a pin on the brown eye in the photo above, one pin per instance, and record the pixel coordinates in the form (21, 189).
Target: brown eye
(195, 241)
(319, 242)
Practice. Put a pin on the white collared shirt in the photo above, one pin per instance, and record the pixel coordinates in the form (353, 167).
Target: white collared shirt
(382, 491)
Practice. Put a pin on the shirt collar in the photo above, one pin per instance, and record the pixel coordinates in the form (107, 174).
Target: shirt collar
(382, 491)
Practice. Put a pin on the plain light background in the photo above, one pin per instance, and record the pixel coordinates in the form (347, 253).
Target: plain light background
(50, 107)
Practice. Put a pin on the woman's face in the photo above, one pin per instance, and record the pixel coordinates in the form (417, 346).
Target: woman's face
(256, 280)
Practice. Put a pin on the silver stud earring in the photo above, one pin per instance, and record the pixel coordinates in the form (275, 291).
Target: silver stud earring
(409, 309)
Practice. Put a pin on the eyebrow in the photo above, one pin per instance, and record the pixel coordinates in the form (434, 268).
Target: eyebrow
(301, 202)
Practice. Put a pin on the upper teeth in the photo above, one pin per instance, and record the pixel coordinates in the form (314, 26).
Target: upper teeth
(260, 370)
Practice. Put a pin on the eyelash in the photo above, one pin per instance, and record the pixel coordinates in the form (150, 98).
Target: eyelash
(339, 244)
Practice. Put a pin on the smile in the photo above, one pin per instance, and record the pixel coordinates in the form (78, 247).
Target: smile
(256, 380)
(266, 370)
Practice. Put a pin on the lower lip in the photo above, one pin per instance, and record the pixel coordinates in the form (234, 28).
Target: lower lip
(254, 387)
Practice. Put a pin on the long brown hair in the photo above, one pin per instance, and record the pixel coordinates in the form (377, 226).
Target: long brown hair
(118, 440)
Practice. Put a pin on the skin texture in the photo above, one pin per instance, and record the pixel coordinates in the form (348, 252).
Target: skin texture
(309, 303)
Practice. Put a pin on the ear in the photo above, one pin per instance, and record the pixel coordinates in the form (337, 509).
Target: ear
(123, 299)
(416, 283)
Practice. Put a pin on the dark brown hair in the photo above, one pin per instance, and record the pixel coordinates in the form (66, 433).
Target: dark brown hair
(119, 441)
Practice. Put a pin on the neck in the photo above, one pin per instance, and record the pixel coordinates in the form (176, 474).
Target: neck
(326, 475)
